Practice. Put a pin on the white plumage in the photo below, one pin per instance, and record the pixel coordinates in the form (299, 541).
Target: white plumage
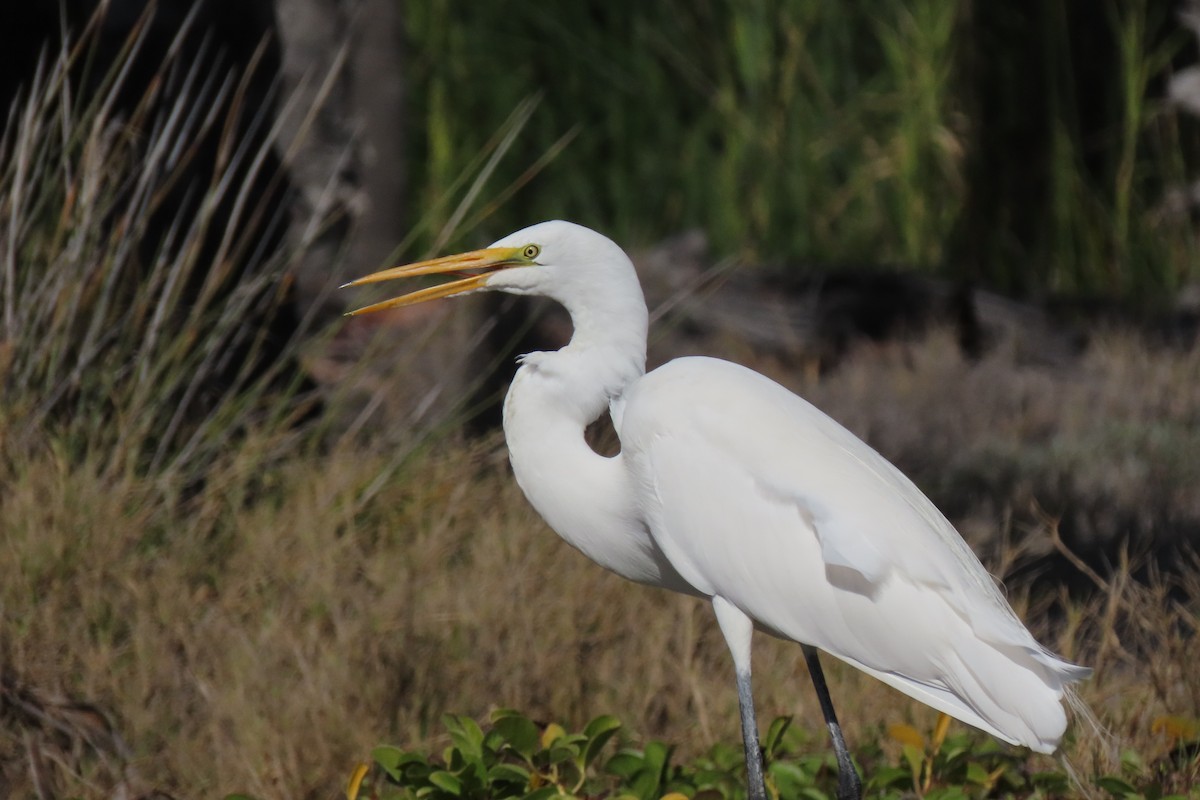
(758, 497)
(729, 486)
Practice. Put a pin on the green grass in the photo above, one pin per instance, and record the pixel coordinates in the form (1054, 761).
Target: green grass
(828, 133)
(741, 120)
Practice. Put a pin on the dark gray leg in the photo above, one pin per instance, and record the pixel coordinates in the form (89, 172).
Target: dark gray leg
(756, 786)
(738, 629)
(849, 785)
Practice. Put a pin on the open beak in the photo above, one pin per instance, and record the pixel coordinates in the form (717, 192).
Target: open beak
(473, 267)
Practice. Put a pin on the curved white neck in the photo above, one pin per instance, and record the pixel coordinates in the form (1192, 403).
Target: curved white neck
(575, 385)
(583, 496)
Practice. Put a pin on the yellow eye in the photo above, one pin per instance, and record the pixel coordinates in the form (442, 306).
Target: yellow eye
(531, 251)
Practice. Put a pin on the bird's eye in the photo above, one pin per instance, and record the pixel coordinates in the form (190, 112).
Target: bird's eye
(531, 251)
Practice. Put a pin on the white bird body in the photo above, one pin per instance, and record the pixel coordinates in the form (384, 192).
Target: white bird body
(757, 497)
(731, 487)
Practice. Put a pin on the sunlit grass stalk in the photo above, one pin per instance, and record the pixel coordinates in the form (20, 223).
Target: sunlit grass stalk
(109, 353)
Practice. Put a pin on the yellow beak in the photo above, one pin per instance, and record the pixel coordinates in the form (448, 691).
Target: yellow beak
(479, 263)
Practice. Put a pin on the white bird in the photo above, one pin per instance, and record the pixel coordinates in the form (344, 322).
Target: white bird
(730, 487)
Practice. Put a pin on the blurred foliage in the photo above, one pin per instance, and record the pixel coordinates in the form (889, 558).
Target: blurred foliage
(1022, 144)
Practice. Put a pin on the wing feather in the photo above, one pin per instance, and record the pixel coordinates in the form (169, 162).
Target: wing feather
(867, 516)
(756, 496)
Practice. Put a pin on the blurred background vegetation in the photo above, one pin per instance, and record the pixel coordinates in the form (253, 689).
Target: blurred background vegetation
(1026, 145)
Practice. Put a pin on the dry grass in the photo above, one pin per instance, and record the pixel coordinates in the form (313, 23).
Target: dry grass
(1104, 443)
(264, 641)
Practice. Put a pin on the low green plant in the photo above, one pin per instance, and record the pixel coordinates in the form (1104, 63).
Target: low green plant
(515, 758)
(518, 758)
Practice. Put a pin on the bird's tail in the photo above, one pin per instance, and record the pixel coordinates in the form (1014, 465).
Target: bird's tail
(1021, 691)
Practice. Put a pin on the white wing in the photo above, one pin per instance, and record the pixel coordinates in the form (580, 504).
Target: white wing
(756, 496)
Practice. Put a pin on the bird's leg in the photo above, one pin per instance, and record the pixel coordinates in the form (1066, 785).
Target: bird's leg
(738, 629)
(849, 784)
(756, 786)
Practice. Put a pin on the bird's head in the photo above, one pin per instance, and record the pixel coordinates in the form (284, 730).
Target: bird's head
(560, 260)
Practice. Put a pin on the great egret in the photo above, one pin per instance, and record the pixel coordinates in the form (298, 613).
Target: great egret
(730, 487)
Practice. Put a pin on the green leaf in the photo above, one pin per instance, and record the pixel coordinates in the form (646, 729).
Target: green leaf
(544, 793)
(951, 751)
(774, 739)
(890, 777)
(1131, 762)
(446, 782)
(552, 734)
(1116, 786)
(605, 723)
(508, 773)
(474, 777)
(393, 760)
(726, 756)
(558, 754)
(947, 793)
(813, 793)
(656, 755)
(387, 756)
(598, 732)
(501, 713)
(789, 778)
(915, 759)
(977, 774)
(520, 733)
(466, 734)
(625, 764)
(646, 784)
(642, 771)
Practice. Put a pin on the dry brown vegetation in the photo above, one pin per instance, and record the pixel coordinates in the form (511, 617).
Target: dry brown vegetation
(232, 603)
(265, 633)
